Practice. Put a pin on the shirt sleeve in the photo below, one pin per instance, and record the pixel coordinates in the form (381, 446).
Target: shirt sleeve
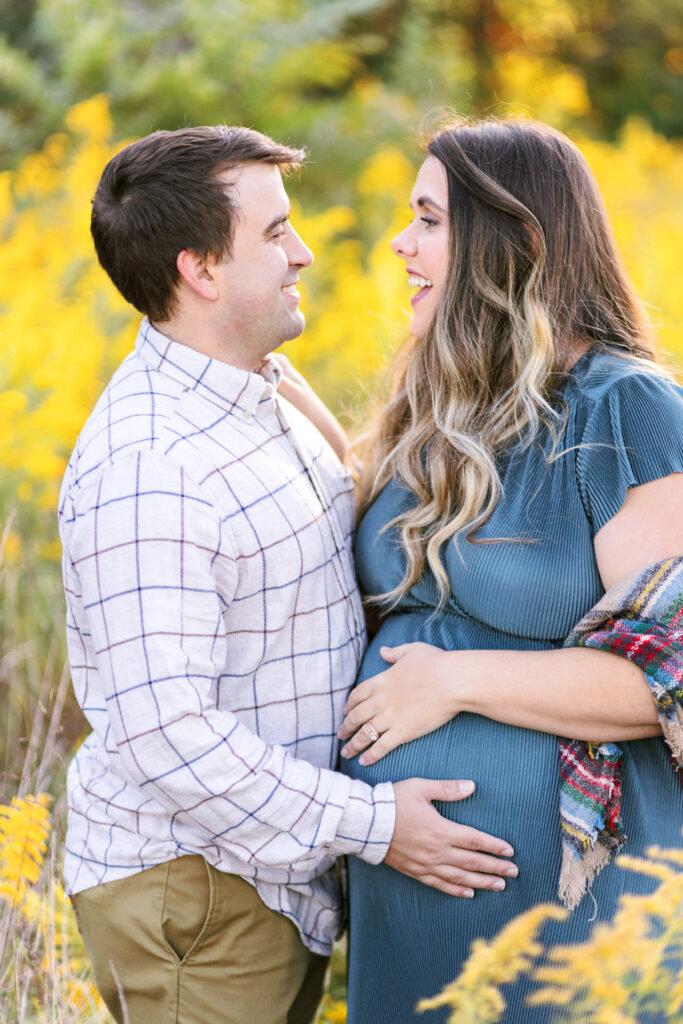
(633, 435)
(157, 571)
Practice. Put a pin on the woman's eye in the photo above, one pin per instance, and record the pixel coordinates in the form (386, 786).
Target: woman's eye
(429, 221)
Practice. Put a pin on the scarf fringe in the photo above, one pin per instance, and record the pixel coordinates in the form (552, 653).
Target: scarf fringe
(577, 873)
(673, 734)
(641, 619)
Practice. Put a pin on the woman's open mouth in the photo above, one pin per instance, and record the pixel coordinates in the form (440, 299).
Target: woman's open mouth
(424, 285)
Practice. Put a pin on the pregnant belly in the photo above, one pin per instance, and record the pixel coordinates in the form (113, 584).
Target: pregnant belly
(515, 770)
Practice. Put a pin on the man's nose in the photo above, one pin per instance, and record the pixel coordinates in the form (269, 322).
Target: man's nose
(299, 253)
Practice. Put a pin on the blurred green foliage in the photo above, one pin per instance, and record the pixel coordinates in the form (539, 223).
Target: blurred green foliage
(338, 75)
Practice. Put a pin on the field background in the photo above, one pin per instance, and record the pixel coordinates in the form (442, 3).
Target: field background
(356, 81)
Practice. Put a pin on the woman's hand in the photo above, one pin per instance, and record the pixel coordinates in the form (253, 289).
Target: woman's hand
(408, 700)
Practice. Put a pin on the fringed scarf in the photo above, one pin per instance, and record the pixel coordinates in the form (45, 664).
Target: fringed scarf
(640, 618)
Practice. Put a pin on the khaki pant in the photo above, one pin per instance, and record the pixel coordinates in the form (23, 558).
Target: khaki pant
(182, 943)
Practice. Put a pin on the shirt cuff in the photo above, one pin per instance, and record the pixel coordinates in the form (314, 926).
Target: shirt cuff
(367, 823)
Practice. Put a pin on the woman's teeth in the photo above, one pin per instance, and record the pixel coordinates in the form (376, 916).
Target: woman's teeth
(415, 281)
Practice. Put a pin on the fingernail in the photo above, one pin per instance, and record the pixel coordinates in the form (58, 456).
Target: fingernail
(362, 759)
(466, 786)
(344, 751)
(512, 871)
(498, 884)
(508, 852)
(468, 893)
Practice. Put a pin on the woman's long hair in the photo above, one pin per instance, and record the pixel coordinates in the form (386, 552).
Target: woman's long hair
(534, 277)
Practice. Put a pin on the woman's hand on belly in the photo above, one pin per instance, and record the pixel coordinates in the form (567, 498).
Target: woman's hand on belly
(575, 692)
(410, 699)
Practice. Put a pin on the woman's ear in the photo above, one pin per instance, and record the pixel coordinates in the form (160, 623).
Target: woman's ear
(198, 273)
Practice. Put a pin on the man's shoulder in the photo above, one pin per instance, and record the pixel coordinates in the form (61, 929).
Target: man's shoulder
(140, 410)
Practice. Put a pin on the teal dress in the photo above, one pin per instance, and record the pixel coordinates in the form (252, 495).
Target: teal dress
(407, 941)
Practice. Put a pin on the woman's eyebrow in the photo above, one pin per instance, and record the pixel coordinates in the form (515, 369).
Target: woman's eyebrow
(427, 201)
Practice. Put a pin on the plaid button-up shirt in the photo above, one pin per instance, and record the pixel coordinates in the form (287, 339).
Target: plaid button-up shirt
(214, 630)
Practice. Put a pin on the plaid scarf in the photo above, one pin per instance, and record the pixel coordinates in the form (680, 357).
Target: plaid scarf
(640, 618)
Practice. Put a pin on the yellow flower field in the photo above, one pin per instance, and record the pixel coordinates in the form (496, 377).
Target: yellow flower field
(64, 329)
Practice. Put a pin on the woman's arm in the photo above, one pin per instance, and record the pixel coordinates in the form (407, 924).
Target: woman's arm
(575, 692)
(296, 389)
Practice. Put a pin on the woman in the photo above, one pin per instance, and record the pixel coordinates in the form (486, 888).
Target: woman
(530, 458)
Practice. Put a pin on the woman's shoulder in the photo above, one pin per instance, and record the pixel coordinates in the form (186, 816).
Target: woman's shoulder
(601, 373)
(610, 393)
(629, 429)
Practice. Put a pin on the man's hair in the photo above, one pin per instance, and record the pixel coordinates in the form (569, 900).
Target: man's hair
(161, 195)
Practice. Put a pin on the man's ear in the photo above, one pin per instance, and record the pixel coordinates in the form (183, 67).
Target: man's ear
(198, 272)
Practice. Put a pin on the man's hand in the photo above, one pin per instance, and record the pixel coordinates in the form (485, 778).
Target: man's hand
(454, 858)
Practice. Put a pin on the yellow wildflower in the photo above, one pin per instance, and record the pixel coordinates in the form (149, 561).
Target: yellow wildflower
(24, 830)
(475, 997)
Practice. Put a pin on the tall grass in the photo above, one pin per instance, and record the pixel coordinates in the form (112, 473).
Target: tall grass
(44, 972)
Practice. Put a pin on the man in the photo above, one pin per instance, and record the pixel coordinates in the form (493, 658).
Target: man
(214, 624)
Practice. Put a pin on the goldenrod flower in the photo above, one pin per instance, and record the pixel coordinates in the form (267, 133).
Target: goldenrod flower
(475, 996)
(625, 971)
(24, 830)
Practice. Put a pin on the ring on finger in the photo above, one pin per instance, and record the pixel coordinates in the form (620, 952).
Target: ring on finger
(371, 731)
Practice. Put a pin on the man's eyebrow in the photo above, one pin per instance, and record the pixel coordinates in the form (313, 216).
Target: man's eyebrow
(427, 201)
(274, 223)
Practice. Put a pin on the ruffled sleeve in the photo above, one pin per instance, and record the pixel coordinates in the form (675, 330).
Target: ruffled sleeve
(633, 435)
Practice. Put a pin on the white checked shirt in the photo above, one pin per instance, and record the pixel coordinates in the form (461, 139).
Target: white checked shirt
(214, 630)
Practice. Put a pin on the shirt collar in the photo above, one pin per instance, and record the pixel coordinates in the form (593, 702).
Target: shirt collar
(219, 382)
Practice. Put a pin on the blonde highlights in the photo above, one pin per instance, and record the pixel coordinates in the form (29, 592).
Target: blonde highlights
(534, 278)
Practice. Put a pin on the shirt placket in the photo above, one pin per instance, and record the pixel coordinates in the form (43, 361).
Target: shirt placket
(318, 488)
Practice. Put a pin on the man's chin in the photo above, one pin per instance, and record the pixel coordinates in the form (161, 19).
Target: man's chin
(293, 329)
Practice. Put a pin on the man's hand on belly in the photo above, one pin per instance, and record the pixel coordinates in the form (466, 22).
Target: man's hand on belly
(454, 858)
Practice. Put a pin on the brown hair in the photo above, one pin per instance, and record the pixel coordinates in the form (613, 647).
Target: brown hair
(161, 195)
(533, 274)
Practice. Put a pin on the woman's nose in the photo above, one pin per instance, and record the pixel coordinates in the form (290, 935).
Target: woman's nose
(403, 244)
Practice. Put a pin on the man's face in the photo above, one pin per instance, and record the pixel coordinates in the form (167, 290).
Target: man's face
(259, 304)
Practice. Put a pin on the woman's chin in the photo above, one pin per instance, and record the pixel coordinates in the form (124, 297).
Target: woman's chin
(418, 327)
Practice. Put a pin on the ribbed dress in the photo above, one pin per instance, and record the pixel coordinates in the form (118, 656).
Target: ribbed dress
(406, 941)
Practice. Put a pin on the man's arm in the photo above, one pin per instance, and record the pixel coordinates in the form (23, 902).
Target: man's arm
(157, 573)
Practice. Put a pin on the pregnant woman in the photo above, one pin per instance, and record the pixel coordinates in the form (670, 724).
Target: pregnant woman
(530, 460)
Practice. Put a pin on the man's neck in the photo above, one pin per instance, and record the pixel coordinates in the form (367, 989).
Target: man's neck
(202, 339)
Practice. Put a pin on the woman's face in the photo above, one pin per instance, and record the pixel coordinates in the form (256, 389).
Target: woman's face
(424, 243)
